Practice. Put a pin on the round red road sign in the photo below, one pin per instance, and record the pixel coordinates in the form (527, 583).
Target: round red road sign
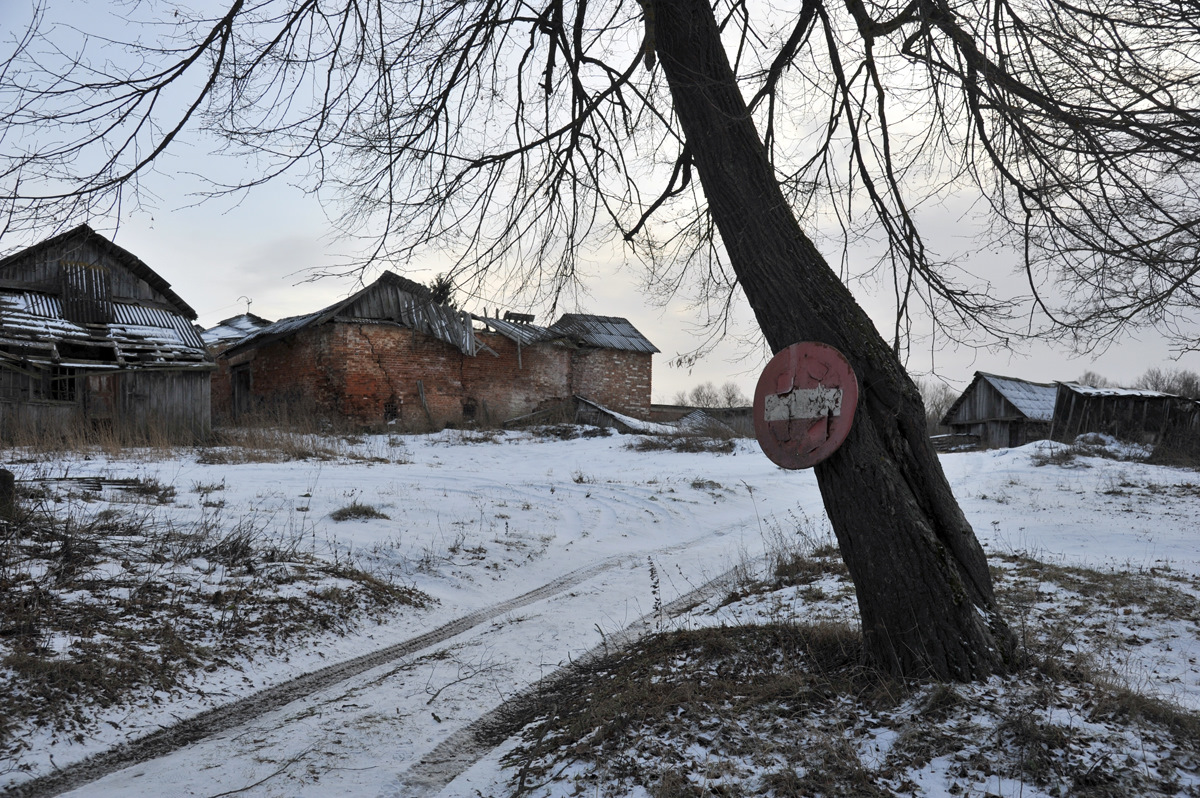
(804, 404)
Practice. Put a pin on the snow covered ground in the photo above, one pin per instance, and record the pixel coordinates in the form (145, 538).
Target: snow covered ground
(545, 549)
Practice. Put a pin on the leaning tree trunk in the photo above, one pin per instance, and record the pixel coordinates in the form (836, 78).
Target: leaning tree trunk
(924, 590)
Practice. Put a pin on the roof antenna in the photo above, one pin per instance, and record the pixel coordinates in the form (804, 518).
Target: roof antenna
(248, 302)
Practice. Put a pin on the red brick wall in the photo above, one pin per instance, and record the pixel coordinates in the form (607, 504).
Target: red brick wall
(510, 385)
(617, 379)
(357, 370)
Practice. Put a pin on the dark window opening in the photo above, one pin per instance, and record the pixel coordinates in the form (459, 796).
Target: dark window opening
(391, 411)
(240, 379)
(71, 350)
(469, 408)
(63, 386)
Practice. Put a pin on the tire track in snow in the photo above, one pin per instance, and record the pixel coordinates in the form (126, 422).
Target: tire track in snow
(223, 718)
(458, 752)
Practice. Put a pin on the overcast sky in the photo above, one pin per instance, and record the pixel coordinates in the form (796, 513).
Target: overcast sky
(260, 254)
(218, 256)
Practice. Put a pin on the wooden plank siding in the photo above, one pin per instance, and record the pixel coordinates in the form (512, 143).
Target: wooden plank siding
(985, 413)
(1137, 416)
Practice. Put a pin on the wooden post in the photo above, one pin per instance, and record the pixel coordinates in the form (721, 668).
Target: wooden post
(8, 494)
(424, 404)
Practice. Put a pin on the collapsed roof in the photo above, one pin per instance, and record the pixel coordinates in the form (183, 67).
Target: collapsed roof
(78, 300)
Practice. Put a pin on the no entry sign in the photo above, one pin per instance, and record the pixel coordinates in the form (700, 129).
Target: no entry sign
(804, 404)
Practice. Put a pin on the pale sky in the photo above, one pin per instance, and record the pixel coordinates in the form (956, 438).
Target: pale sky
(265, 248)
(218, 255)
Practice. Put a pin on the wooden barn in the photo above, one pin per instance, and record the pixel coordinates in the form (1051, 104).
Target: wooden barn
(1002, 411)
(391, 354)
(1132, 415)
(90, 335)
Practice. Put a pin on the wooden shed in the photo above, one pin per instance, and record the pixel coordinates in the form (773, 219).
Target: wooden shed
(90, 335)
(1002, 411)
(1132, 415)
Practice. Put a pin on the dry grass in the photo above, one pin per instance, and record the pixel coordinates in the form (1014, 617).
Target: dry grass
(793, 709)
(356, 510)
(683, 443)
(103, 608)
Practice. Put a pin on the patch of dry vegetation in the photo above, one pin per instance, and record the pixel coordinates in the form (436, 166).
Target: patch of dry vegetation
(683, 443)
(103, 608)
(792, 709)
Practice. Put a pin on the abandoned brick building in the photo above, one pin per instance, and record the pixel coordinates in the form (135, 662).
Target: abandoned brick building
(392, 354)
(90, 336)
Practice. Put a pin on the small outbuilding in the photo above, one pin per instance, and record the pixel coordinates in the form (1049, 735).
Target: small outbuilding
(90, 336)
(1148, 417)
(1002, 411)
(391, 353)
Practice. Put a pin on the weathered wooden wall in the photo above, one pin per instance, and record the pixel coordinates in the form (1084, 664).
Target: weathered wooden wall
(175, 405)
(995, 421)
(1130, 417)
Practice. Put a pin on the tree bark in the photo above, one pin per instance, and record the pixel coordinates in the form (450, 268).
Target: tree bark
(924, 590)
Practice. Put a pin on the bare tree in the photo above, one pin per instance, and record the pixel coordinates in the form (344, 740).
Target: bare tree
(706, 394)
(1180, 382)
(937, 396)
(509, 133)
(1094, 380)
(732, 396)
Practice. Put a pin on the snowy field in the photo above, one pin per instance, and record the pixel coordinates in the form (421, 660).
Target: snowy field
(529, 553)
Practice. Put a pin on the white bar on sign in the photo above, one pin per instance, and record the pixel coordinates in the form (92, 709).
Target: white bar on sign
(803, 403)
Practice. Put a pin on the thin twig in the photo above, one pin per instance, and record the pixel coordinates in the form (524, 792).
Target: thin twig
(265, 779)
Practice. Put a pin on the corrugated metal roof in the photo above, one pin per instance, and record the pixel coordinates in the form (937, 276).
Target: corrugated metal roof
(233, 329)
(522, 333)
(32, 324)
(1034, 400)
(1087, 390)
(604, 332)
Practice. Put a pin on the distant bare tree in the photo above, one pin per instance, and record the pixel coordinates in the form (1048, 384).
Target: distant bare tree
(938, 396)
(1180, 382)
(732, 396)
(512, 133)
(706, 394)
(1094, 380)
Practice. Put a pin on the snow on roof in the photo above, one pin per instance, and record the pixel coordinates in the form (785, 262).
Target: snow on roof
(1035, 400)
(233, 329)
(631, 423)
(34, 327)
(1087, 390)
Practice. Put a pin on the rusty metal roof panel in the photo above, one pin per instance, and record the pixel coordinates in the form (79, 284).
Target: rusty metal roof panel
(603, 332)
